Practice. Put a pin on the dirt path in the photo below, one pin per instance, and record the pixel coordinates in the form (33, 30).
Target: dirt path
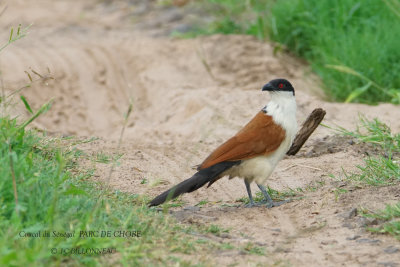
(188, 97)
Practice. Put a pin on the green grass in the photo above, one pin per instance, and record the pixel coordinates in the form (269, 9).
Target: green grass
(359, 38)
(53, 194)
(103, 158)
(384, 167)
(216, 230)
(352, 45)
(390, 217)
(202, 203)
(253, 249)
(15, 36)
(274, 194)
(381, 168)
(234, 17)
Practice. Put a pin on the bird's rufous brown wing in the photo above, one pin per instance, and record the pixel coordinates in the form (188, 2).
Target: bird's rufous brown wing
(261, 136)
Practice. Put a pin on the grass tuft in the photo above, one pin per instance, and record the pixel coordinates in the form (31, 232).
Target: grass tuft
(390, 217)
(383, 168)
(275, 195)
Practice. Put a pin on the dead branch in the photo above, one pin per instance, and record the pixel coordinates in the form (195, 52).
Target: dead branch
(308, 127)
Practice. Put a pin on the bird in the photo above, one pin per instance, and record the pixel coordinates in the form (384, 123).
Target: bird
(253, 152)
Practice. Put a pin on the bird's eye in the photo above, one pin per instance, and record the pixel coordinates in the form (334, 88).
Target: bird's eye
(280, 85)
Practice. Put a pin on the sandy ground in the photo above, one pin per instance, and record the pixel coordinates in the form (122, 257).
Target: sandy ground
(188, 97)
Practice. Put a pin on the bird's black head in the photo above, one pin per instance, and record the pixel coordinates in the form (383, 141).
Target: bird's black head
(278, 85)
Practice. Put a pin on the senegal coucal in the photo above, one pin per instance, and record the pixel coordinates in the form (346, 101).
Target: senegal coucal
(253, 152)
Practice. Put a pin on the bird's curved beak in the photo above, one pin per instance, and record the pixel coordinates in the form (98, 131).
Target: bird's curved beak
(268, 87)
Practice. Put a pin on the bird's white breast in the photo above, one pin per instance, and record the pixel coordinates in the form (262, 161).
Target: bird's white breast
(282, 108)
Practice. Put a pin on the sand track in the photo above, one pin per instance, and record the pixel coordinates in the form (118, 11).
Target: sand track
(189, 96)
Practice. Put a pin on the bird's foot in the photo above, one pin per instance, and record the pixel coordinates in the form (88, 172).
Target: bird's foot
(252, 205)
(266, 204)
(275, 204)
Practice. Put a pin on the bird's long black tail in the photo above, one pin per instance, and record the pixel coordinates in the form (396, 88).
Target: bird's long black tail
(198, 180)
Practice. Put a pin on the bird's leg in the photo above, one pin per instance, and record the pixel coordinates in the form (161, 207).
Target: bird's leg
(251, 204)
(270, 202)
